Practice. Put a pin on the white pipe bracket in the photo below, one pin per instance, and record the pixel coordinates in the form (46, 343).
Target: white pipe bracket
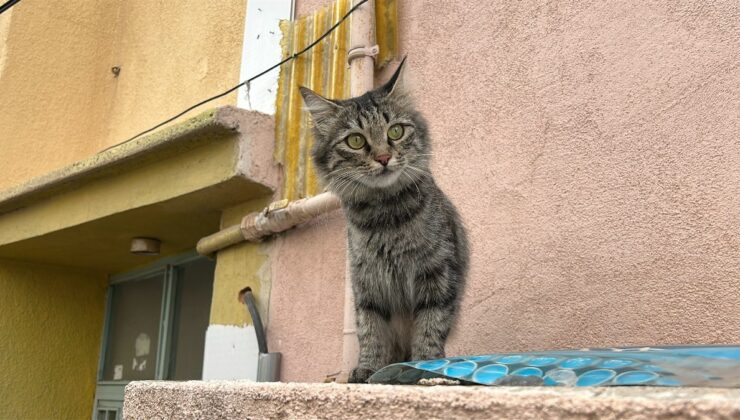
(357, 52)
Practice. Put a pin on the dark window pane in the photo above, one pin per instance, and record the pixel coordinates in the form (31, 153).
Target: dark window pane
(193, 310)
(134, 329)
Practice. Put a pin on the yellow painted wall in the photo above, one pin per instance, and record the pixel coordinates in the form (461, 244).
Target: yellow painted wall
(61, 104)
(173, 54)
(60, 100)
(51, 319)
(237, 267)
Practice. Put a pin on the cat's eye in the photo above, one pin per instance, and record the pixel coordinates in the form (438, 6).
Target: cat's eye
(355, 141)
(395, 132)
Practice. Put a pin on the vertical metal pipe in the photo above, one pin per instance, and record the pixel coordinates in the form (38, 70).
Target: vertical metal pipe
(362, 35)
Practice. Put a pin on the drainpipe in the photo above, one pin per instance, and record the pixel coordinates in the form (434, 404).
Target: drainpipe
(361, 58)
(277, 217)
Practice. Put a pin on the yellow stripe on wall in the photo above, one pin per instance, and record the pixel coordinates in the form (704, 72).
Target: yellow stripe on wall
(323, 69)
(386, 31)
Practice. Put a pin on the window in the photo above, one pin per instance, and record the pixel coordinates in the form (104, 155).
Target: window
(156, 320)
(133, 329)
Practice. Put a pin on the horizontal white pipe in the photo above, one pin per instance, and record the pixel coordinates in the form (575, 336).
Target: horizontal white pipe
(278, 217)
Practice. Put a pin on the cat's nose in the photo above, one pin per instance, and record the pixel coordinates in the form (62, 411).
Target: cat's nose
(383, 159)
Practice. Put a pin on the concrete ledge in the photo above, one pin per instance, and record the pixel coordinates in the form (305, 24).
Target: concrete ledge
(217, 122)
(172, 184)
(221, 399)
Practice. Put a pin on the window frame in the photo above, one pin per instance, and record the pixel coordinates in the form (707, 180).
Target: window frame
(108, 392)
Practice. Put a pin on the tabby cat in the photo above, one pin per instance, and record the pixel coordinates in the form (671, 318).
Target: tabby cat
(407, 247)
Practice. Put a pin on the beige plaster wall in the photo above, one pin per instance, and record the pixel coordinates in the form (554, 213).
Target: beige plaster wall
(55, 79)
(172, 55)
(593, 150)
(60, 100)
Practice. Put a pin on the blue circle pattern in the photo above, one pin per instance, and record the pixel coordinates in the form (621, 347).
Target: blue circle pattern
(460, 369)
(528, 371)
(510, 360)
(577, 363)
(635, 377)
(607, 374)
(564, 368)
(596, 377)
(543, 361)
(488, 375)
(432, 364)
(616, 363)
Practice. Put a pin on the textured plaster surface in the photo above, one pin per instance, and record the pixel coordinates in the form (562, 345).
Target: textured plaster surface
(255, 158)
(57, 62)
(593, 151)
(51, 319)
(172, 55)
(237, 267)
(210, 125)
(306, 299)
(212, 400)
(55, 84)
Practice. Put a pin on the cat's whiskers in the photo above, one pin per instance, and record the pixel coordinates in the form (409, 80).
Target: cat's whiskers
(419, 173)
(412, 180)
(344, 182)
(339, 185)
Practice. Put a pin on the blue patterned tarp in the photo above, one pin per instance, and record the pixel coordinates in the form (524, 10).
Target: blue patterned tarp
(710, 366)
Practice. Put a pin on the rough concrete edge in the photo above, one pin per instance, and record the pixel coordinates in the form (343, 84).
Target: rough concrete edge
(216, 123)
(150, 399)
(255, 154)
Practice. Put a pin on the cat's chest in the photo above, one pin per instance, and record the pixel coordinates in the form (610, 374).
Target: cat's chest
(384, 267)
(388, 248)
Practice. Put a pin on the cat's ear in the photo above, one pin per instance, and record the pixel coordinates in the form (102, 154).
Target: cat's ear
(393, 85)
(319, 107)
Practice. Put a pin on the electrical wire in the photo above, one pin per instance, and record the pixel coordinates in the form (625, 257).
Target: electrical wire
(7, 5)
(246, 82)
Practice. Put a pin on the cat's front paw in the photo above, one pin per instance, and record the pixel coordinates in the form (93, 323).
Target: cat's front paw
(360, 375)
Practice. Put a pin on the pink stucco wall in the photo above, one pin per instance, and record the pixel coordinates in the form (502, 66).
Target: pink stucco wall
(593, 149)
(308, 269)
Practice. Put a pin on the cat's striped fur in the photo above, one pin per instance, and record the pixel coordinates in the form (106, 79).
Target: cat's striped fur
(408, 249)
